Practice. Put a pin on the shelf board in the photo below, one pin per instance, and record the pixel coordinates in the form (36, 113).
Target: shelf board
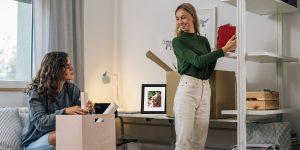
(265, 57)
(265, 7)
(234, 120)
(249, 119)
(260, 112)
(149, 116)
(164, 117)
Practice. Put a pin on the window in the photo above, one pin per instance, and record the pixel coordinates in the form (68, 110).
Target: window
(15, 40)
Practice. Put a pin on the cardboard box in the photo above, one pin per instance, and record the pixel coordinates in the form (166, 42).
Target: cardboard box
(173, 79)
(222, 85)
(82, 132)
(223, 93)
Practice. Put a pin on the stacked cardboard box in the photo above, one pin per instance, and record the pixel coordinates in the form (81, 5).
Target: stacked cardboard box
(223, 93)
(222, 85)
(262, 100)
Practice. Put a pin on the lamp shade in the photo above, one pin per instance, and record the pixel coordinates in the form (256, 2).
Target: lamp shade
(105, 78)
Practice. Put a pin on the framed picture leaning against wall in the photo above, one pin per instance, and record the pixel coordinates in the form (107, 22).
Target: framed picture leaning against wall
(153, 100)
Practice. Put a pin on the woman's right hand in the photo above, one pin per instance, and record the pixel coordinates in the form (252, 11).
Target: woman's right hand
(230, 45)
(75, 110)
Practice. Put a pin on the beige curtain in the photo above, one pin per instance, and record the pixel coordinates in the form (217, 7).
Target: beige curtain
(58, 26)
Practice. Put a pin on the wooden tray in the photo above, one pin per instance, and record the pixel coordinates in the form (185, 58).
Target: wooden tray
(262, 96)
(262, 105)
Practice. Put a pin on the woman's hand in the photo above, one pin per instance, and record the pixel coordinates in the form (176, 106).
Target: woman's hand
(230, 45)
(75, 110)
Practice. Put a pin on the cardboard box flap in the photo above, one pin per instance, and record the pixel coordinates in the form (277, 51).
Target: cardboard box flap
(158, 61)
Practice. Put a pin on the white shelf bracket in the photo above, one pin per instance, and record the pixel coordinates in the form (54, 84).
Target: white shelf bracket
(279, 66)
(241, 74)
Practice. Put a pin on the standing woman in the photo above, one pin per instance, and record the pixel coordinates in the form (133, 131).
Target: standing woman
(51, 93)
(196, 63)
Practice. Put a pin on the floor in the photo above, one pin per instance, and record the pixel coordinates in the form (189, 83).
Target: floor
(139, 146)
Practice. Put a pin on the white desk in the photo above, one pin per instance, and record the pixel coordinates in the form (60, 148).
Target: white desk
(148, 118)
(165, 117)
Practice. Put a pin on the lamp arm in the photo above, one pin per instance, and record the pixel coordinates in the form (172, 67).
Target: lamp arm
(114, 74)
(117, 82)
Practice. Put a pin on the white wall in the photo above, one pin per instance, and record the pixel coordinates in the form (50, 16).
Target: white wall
(139, 31)
(141, 28)
(98, 47)
(12, 99)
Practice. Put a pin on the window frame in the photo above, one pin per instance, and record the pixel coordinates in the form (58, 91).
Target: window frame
(20, 85)
(13, 84)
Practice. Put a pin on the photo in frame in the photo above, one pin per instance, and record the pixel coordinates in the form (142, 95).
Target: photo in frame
(207, 24)
(153, 99)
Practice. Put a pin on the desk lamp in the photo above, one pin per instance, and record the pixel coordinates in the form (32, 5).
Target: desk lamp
(106, 80)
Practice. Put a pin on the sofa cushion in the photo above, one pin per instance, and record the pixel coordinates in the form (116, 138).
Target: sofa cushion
(23, 114)
(10, 129)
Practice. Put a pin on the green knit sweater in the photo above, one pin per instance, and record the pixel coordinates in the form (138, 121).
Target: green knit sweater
(194, 56)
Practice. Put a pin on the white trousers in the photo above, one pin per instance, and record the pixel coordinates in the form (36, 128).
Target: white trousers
(191, 110)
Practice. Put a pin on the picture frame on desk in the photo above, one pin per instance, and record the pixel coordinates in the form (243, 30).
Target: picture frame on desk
(153, 100)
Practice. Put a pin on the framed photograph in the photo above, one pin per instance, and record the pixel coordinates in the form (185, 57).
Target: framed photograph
(153, 99)
(207, 25)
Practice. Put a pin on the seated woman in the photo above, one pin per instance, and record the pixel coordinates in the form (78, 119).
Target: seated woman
(51, 93)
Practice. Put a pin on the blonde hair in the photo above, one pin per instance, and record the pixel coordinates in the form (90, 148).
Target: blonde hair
(192, 11)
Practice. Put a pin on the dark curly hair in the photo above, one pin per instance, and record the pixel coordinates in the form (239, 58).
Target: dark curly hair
(48, 76)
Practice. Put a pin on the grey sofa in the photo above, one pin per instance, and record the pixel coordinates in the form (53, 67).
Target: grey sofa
(12, 123)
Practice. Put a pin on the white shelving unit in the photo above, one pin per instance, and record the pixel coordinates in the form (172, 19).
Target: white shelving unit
(260, 112)
(165, 117)
(260, 7)
(265, 7)
(234, 120)
(265, 57)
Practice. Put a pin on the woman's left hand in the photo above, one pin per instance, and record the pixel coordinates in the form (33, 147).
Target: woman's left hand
(230, 45)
